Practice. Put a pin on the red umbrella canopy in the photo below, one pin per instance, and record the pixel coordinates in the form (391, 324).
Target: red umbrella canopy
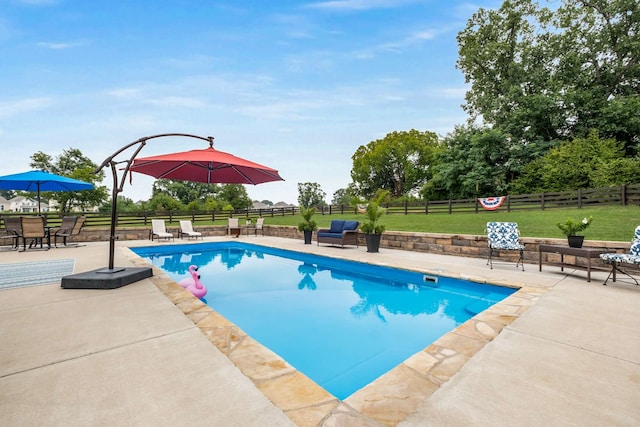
(209, 165)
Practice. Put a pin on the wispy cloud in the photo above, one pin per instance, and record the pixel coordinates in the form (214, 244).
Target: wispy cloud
(359, 4)
(39, 2)
(144, 96)
(14, 108)
(125, 93)
(177, 101)
(398, 46)
(60, 45)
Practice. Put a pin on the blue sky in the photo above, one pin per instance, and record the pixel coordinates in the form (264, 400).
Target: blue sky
(295, 85)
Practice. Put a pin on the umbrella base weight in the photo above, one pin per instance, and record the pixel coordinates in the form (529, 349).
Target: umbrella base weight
(105, 278)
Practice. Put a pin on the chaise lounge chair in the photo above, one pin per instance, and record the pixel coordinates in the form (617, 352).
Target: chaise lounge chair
(259, 226)
(504, 236)
(233, 228)
(158, 229)
(617, 260)
(186, 229)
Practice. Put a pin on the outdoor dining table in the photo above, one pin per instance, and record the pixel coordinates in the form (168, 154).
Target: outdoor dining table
(47, 234)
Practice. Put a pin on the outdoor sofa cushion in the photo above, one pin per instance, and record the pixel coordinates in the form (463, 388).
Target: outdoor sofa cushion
(337, 227)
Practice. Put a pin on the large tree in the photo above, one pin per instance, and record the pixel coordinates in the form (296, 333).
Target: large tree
(477, 162)
(400, 163)
(589, 162)
(542, 75)
(310, 194)
(235, 195)
(342, 196)
(73, 164)
(186, 191)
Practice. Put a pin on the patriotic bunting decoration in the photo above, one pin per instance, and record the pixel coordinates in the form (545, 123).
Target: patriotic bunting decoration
(491, 203)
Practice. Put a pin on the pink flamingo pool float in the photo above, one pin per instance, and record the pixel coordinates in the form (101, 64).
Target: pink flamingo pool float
(193, 284)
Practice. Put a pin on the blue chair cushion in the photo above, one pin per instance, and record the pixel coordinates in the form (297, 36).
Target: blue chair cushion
(336, 226)
(504, 235)
(633, 257)
(327, 234)
(350, 225)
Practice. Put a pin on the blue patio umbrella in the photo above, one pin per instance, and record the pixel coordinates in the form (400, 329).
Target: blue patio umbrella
(38, 181)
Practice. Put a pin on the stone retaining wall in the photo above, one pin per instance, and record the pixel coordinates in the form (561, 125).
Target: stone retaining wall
(445, 244)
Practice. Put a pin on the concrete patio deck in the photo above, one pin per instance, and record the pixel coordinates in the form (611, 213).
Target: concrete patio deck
(568, 354)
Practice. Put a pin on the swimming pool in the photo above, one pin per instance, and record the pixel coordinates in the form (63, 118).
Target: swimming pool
(341, 323)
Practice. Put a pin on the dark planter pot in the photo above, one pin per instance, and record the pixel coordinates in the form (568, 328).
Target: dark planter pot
(373, 242)
(307, 236)
(575, 241)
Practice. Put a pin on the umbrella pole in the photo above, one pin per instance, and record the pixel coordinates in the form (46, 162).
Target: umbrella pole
(38, 201)
(119, 276)
(114, 218)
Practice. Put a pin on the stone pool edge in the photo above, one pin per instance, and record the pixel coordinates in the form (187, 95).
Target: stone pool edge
(389, 399)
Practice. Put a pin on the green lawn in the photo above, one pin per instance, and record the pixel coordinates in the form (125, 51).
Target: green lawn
(616, 223)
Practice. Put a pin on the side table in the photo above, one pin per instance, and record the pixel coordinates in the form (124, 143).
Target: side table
(587, 253)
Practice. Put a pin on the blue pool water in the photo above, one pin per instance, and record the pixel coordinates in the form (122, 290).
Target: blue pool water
(341, 323)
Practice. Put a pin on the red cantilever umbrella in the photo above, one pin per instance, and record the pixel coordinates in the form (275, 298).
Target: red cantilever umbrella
(208, 165)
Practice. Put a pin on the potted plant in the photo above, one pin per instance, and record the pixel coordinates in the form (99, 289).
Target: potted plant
(371, 227)
(570, 228)
(308, 225)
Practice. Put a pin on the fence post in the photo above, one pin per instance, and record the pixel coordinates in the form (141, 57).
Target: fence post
(450, 206)
(623, 195)
(426, 207)
(542, 201)
(579, 198)
(476, 205)
(406, 207)
(508, 203)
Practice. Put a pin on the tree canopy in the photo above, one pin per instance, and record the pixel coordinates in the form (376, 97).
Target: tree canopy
(310, 194)
(476, 162)
(543, 75)
(551, 91)
(185, 191)
(199, 196)
(400, 163)
(73, 164)
(589, 162)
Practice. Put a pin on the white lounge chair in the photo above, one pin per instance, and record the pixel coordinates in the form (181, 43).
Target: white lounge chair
(233, 228)
(186, 229)
(259, 226)
(158, 229)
